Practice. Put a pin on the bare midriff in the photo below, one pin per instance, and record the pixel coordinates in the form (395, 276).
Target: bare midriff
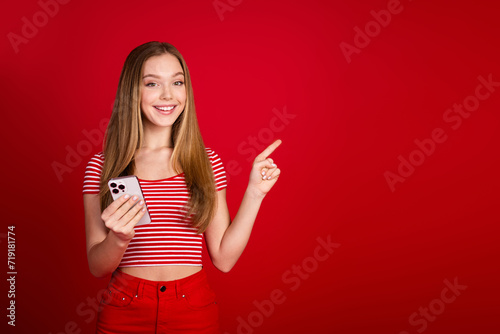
(161, 273)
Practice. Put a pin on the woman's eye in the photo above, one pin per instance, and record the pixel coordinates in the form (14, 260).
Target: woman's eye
(151, 84)
(179, 83)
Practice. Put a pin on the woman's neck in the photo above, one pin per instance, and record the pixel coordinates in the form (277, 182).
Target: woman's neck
(157, 138)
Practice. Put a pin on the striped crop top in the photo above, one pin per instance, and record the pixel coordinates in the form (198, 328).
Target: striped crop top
(167, 240)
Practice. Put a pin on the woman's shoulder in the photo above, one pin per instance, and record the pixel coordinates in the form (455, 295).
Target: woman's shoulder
(215, 160)
(99, 156)
(93, 174)
(96, 160)
(218, 168)
(209, 150)
(212, 154)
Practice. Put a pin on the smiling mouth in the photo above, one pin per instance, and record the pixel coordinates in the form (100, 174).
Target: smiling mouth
(169, 108)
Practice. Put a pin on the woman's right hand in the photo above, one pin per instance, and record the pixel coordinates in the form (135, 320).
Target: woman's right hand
(120, 220)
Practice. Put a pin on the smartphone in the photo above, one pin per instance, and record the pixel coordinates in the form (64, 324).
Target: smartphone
(129, 184)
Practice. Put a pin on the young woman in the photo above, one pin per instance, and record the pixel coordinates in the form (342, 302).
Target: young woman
(158, 284)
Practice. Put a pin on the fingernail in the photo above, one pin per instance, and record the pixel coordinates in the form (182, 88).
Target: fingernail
(141, 202)
(126, 196)
(274, 165)
(263, 173)
(134, 198)
(268, 177)
(264, 177)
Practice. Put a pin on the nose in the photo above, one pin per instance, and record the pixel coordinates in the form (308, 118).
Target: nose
(166, 94)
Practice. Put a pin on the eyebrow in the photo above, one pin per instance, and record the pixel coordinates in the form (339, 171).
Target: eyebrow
(158, 77)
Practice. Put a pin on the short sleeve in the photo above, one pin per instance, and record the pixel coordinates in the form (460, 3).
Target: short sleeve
(92, 178)
(218, 168)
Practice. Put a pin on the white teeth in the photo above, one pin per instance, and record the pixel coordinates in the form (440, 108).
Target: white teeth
(165, 108)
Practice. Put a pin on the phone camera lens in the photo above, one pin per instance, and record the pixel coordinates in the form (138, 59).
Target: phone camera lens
(121, 186)
(116, 191)
(113, 185)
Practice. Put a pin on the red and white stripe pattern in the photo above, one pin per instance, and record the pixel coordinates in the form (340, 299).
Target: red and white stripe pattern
(167, 240)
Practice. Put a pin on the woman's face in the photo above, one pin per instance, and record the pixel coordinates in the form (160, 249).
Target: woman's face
(163, 93)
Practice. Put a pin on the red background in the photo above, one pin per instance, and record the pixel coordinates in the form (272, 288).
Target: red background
(351, 122)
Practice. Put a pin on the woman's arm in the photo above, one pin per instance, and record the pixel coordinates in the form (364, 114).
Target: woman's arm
(226, 240)
(105, 249)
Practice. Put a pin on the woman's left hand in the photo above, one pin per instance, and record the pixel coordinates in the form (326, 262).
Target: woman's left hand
(265, 172)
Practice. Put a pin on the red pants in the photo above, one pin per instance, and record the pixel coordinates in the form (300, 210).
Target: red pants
(135, 305)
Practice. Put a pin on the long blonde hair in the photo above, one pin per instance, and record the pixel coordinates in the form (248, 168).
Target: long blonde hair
(124, 136)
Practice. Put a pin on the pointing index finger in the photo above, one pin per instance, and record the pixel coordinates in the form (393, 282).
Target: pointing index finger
(270, 149)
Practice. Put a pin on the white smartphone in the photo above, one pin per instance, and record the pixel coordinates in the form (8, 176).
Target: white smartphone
(129, 184)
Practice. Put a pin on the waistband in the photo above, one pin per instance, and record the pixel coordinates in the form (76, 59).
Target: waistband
(136, 286)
